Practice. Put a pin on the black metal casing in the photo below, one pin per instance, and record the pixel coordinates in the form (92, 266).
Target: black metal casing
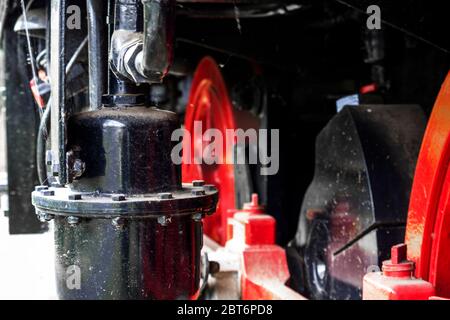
(126, 222)
(356, 206)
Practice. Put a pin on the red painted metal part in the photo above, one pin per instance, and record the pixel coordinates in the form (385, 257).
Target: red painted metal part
(398, 266)
(259, 229)
(428, 227)
(264, 269)
(209, 103)
(377, 286)
(265, 273)
(396, 282)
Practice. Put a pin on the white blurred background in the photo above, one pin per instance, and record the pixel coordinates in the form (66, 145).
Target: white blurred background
(26, 261)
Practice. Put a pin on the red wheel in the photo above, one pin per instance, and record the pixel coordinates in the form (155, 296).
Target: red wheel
(209, 104)
(428, 227)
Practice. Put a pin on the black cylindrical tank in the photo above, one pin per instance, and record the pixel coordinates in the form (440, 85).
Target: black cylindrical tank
(125, 223)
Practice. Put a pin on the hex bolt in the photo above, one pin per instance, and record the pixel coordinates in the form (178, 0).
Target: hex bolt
(198, 192)
(44, 217)
(48, 193)
(198, 183)
(118, 222)
(118, 197)
(197, 217)
(40, 188)
(165, 195)
(75, 196)
(164, 220)
(72, 220)
(41, 216)
(78, 168)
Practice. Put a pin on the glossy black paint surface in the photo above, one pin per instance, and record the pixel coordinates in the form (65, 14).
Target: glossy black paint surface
(126, 249)
(356, 206)
(139, 259)
(125, 150)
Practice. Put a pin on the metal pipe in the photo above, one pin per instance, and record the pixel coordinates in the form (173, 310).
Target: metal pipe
(143, 56)
(97, 52)
(126, 15)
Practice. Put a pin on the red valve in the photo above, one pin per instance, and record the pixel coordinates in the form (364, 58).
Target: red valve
(398, 266)
(396, 282)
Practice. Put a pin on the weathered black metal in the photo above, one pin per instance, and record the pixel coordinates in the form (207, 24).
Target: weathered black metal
(126, 221)
(125, 150)
(159, 24)
(130, 258)
(98, 66)
(356, 206)
(122, 216)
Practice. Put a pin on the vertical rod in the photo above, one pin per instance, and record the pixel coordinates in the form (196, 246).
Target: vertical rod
(98, 52)
(57, 72)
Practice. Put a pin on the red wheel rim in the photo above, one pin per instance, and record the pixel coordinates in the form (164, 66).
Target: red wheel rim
(428, 227)
(209, 103)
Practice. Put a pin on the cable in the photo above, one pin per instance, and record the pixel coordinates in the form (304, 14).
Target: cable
(30, 49)
(44, 124)
(41, 146)
(75, 55)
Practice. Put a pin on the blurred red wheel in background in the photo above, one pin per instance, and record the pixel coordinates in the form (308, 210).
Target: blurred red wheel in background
(209, 104)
